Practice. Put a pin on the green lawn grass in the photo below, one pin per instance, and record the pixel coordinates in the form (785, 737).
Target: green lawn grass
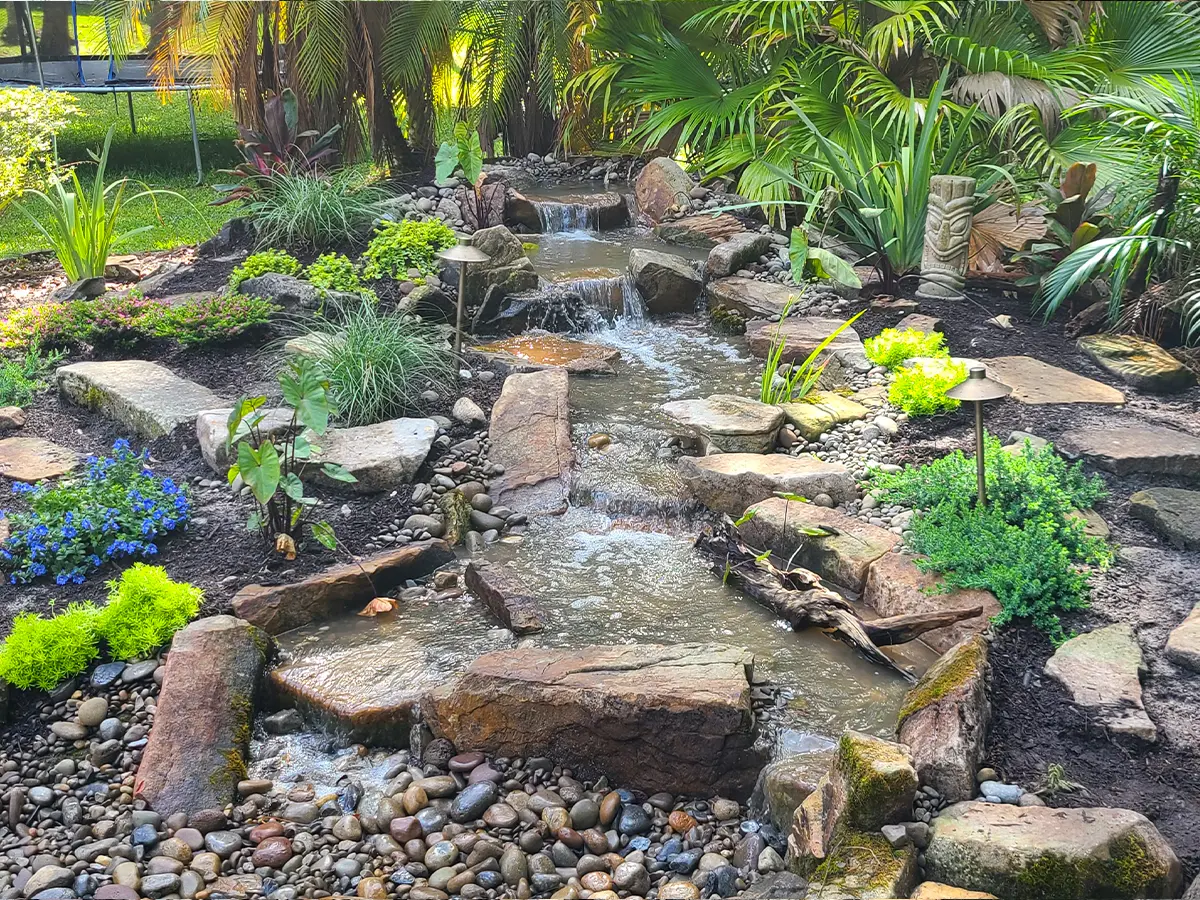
(160, 155)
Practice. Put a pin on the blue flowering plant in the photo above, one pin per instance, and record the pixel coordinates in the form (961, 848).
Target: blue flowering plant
(117, 509)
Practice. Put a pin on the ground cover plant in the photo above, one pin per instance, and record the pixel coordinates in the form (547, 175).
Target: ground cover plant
(262, 262)
(892, 346)
(334, 272)
(1027, 545)
(400, 246)
(42, 652)
(23, 376)
(117, 509)
(920, 389)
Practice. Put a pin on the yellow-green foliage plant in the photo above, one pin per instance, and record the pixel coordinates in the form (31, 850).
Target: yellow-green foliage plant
(145, 608)
(39, 653)
(893, 346)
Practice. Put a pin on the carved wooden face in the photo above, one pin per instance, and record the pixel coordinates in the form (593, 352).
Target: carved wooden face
(948, 228)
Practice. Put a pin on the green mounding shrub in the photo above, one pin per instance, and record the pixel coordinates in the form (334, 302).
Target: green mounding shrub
(145, 608)
(42, 652)
(21, 378)
(334, 272)
(378, 363)
(893, 346)
(211, 320)
(278, 261)
(312, 209)
(29, 119)
(920, 390)
(400, 246)
(1027, 546)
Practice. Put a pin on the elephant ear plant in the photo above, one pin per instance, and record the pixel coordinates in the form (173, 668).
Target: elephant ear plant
(272, 459)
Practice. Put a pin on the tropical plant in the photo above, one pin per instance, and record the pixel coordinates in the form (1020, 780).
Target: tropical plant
(920, 389)
(209, 320)
(780, 385)
(893, 346)
(22, 377)
(29, 118)
(819, 263)
(145, 608)
(462, 152)
(400, 246)
(379, 363)
(116, 510)
(262, 262)
(42, 652)
(1072, 220)
(81, 225)
(272, 462)
(312, 209)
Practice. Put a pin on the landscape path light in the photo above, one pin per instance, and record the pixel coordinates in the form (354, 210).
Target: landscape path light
(979, 389)
(462, 253)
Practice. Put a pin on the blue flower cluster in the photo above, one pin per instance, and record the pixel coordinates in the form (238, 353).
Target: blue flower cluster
(117, 509)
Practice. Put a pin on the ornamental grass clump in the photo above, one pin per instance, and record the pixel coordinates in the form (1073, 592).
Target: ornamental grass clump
(42, 652)
(893, 346)
(116, 510)
(1027, 546)
(145, 608)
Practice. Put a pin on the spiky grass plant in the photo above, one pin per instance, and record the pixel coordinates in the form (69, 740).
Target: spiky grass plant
(311, 209)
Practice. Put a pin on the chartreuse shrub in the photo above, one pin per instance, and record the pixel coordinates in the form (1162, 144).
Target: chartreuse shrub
(400, 246)
(893, 346)
(145, 608)
(116, 509)
(334, 272)
(1027, 546)
(261, 263)
(920, 389)
(42, 652)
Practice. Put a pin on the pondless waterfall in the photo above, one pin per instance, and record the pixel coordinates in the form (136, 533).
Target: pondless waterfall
(558, 217)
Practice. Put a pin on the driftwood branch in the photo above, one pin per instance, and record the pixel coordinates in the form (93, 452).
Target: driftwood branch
(803, 601)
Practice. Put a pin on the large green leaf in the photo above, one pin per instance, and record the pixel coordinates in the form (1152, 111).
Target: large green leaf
(470, 156)
(304, 389)
(798, 253)
(323, 532)
(337, 473)
(446, 161)
(260, 471)
(831, 266)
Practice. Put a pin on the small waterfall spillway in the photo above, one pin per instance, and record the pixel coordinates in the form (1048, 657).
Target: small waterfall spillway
(562, 216)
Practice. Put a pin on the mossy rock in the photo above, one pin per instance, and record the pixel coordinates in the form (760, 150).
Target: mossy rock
(863, 866)
(456, 509)
(878, 780)
(953, 670)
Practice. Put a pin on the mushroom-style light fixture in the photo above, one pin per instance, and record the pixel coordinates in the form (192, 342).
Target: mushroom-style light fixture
(462, 253)
(978, 388)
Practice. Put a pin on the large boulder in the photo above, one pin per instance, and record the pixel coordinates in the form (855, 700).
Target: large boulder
(675, 718)
(530, 433)
(282, 607)
(700, 231)
(660, 186)
(1183, 644)
(944, 720)
(730, 423)
(500, 590)
(787, 782)
(1140, 363)
(1134, 448)
(838, 547)
(752, 299)
(736, 253)
(143, 396)
(895, 586)
(500, 244)
(667, 283)
(872, 783)
(511, 278)
(801, 335)
(730, 482)
(1035, 852)
(196, 753)
(381, 456)
(1174, 513)
(1102, 670)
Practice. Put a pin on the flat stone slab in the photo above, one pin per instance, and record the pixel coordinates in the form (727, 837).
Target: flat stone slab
(895, 587)
(1039, 851)
(380, 456)
(500, 590)
(675, 718)
(752, 299)
(730, 482)
(1102, 670)
(282, 607)
(1173, 513)
(144, 396)
(1127, 449)
(1036, 383)
(212, 428)
(728, 422)
(801, 335)
(842, 557)
(533, 352)
(34, 459)
(918, 322)
(1183, 644)
(820, 411)
(699, 231)
(1140, 363)
(530, 433)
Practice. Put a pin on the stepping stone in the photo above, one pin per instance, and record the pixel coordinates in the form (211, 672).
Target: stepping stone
(842, 557)
(380, 456)
(801, 335)
(1101, 669)
(1140, 363)
(727, 422)
(730, 482)
(1183, 645)
(501, 591)
(655, 718)
(144, 396)
(1126, 449)
(918, 322)
(702, 231)
(753, 299)
(1036, 383)
(533, 352)
(34, 459)
(820, 411)
(1173, 512)
(530, 433)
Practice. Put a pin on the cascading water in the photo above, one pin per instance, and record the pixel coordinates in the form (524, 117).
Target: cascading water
(611, 296)
(559, 217)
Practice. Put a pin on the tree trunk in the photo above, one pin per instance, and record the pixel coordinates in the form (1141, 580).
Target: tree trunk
(1165, 195)
(418, 99)
(56, 32)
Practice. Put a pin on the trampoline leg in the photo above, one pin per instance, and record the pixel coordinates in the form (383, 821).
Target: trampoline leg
(195, 139)
(132, 120)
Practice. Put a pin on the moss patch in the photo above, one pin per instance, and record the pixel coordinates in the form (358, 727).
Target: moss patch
(863, 864)
(1131, 870)
(948, 674)
(878, 776)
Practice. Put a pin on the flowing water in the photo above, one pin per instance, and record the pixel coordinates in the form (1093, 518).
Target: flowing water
(619, 566)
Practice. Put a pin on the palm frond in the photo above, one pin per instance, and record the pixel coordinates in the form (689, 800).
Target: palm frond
(909, 21)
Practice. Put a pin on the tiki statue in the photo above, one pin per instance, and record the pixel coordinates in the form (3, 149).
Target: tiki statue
(947, 237)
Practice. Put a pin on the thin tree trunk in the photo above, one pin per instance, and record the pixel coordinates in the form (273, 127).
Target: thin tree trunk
(1165, 196)
(56, 32)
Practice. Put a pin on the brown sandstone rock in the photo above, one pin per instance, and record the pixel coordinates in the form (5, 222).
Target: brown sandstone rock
(661, 185)
(801, 335)
(502, 593)
(730, 482)
(699, 230)
(530, 433)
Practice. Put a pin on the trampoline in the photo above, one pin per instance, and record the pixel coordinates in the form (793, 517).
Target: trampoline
(84, 74)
